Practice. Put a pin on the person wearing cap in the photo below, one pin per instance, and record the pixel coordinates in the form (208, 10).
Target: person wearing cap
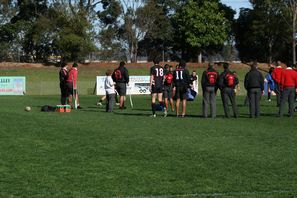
(121, 77)
(71, 83)
(288, 88)
(181, 83)
(276, 76)
(209, 83)
(254, 84)
(63, 74)
(227, 82)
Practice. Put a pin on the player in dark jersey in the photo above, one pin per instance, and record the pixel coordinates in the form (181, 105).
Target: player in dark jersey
(181, 83)
(156, 85)
(63, 75)
(168, 82)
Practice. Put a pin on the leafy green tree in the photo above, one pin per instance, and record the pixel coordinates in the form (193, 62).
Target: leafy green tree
(199, 25)
(261, 33)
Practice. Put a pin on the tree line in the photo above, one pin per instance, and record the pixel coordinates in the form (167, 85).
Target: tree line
(128, 29)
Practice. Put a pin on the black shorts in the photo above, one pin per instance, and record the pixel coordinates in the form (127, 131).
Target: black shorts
(157, 89)
(70, 90)
(64, 90)
(121, 88)
(181, 93)
(167, 93)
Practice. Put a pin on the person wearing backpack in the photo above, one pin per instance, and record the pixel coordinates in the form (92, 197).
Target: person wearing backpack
(254, 84)
(121, 77)
(168, 80)
(209, 83)
(227, 82)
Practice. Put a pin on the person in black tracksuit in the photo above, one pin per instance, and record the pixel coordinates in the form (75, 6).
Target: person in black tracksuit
(121, 77)
(209, 83)
(63, 75)
(227, 83)
(254, 84)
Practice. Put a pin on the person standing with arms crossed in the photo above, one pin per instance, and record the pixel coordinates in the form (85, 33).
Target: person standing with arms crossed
(157, 86)
(254, 84)
(121, 77)
(288, 88)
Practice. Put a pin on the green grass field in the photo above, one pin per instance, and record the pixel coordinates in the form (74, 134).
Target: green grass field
(90, 153)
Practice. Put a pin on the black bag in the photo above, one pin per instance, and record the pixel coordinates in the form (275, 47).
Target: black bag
(47, 108)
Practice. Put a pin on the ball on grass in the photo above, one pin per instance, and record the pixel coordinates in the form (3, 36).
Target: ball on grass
(28, 108)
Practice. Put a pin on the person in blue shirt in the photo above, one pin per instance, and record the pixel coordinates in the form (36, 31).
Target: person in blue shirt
(269, 83)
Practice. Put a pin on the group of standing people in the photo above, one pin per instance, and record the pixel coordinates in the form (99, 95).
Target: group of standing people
(168, 84)
(116, 84)
(68, 85)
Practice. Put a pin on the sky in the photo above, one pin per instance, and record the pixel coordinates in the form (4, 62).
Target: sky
(237, 4)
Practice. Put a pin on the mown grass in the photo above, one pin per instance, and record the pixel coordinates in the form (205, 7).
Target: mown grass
(90, 153)
(45, 80)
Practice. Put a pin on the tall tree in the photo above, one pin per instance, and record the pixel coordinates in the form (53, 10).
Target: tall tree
(200, 24)
(261, 33)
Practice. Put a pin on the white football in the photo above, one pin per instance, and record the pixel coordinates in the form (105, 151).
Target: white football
(28, 108)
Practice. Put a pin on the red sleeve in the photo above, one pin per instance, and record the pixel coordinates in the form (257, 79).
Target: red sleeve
(282, 80)
(75, 78)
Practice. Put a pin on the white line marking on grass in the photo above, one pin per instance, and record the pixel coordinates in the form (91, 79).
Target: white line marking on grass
(217, 194)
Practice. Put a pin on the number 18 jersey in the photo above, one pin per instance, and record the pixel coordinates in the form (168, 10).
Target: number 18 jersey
(158, 74)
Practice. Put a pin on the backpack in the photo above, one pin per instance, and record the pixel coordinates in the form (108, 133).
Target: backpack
(211, 77)
(117, 74)
(230, 79)
(168, 78)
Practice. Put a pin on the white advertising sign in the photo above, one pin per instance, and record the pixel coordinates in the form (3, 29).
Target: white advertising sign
(138, 85)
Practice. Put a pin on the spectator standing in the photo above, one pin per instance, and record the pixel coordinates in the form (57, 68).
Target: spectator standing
(288, 88)
(254, 84)
(270, 83)
(72, 85)
(109, 87)
(121, 77)
(209, 83)
(63, 75)
(227, 83)
(276, 76)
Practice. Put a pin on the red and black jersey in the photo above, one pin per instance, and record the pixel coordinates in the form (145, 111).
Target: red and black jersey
(157, 72)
